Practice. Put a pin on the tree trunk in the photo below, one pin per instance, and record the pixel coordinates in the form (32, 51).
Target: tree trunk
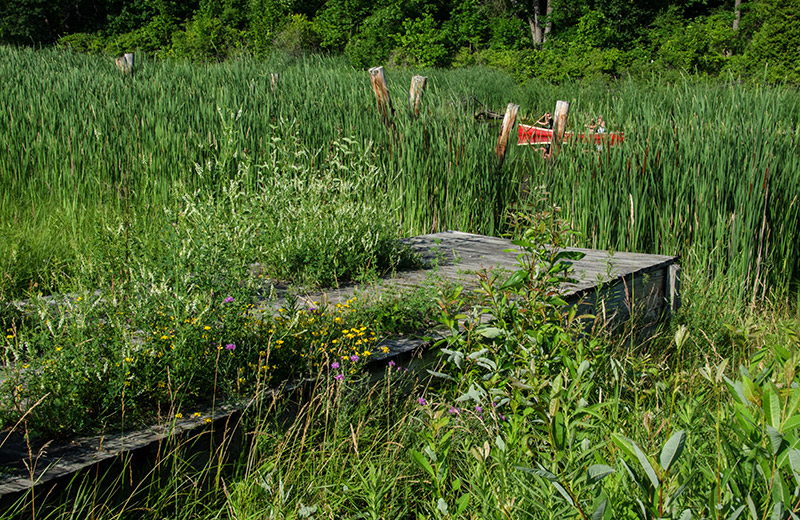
(549, 25)
(536, 24)
(738, 12)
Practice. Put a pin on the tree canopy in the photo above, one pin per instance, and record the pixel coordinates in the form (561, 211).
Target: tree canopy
(553, 38)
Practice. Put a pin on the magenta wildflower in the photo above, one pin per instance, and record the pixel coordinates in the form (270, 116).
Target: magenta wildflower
(478, 408)
(335, 365)
(229, 299)
(392, 363)
(353, 358)
(231, 346)
(501, 417)
(338, 377)
(422, 401)
(453, 410)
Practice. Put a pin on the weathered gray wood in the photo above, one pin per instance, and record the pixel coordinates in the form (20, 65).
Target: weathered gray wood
(508, 124)
(126, 62)
(415, 93)
(559, 125)
(378, 80)
(613, 286)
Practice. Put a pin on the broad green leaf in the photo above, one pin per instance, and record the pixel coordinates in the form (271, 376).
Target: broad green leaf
(538, 471)
(750, 391)
(461, 504)
(646, 466)
(737, 512)
(439, 374)
(794, 463)
(775, 439)
(598, 513)
(559, 431)
(569, 255)
(624, 444)
(491, 332)
(597, 472)
(636, 479)
(791, 423)
(420, 460)
(515, 281)
(777, 511)
(686, 515)
(737, 389)
(672, 449)
(772, 407)
(564, 493)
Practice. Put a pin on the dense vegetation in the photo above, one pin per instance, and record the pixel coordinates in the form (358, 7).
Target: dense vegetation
(186, 212)
(552, 39)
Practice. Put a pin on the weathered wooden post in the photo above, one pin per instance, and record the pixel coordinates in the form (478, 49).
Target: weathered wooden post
(415, 94)
(125, 63)
(273, 78)
(505, 131)
(378, 81)
(559, 125)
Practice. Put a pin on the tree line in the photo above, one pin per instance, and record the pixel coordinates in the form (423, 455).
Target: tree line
(559, 39)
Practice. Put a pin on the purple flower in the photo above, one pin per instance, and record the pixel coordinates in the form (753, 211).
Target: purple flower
(231, 346)
(453, 410)
(501, 416)
(338, 377)
(478, 408)
(392, 363)
(353, 358)
(335, 365)
(422, 401)
(229, 299)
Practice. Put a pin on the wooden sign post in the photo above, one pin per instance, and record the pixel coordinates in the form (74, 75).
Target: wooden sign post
(505, 131)
(415, 94)
(559, 125)
(378, 81)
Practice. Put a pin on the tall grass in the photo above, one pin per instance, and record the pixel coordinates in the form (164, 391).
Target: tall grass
(708, 170)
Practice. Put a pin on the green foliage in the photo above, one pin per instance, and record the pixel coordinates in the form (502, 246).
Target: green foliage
(297, 36)
(205, 38)
(422, 43)
(774, 52)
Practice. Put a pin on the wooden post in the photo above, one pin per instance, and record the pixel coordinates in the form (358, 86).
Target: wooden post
(125, 63)
(129, 61)
(415, 94)
(559, 125)
(508, 125)
(273, 78)
(378, 81)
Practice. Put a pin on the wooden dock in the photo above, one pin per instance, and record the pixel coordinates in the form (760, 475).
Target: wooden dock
(613, 286)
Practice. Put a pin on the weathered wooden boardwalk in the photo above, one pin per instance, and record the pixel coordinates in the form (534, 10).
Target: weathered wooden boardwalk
(613, 286)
